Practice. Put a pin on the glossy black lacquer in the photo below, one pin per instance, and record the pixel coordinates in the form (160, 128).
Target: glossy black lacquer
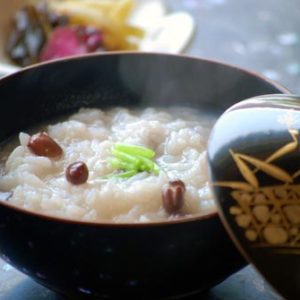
(113, 260)
(267, 129)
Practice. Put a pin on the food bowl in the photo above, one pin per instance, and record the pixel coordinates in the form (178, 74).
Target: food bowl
(108, 260)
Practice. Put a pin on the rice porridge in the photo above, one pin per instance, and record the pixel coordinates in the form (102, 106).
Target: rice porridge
(118, 165)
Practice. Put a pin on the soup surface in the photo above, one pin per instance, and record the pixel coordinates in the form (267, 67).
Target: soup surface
(171, 183)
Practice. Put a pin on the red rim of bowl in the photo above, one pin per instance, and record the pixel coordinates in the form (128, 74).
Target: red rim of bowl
(188, 219)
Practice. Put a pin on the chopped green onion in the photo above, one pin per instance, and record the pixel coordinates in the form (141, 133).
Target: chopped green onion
(127, 174)
(125, 157)
(155, 169)
(143, 168)
(132, 159)
(135, 150)
(119, 164)
(146, 163)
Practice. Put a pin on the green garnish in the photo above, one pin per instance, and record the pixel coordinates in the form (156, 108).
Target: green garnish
(119, 164)
(145, 163)
(125, 157)
(156, 169)
(135, 150)
(132, 159)
(126, 175)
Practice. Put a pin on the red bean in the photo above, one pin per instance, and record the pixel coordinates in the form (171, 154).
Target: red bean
(177, 183)
(173, 196)
(77, 173)
(42, 144)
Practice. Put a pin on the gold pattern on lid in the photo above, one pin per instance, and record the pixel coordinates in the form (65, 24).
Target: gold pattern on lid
(269, 215)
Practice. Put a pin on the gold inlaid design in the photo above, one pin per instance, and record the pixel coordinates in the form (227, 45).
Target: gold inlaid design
(269, 215)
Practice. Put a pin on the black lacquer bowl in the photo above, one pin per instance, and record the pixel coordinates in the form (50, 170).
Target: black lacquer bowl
(157, 260)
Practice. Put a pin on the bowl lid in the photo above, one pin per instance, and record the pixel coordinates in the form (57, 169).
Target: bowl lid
(254, 162)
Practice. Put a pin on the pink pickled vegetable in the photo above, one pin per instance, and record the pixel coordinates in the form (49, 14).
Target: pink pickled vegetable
(63, 42)
(91, 37)
(93, 42)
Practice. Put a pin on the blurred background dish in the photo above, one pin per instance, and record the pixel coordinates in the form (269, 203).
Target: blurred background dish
(41, 30)
(250, 33)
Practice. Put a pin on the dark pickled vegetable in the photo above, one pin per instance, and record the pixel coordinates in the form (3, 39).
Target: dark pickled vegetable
(27, 37)
(52, 18)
